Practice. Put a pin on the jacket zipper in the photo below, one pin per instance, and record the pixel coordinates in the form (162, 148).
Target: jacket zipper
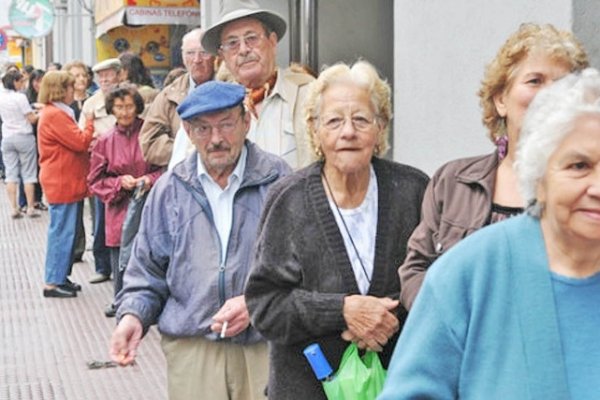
(221, 278)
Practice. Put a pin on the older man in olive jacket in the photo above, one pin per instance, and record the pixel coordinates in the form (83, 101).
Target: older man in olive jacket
(162, 123)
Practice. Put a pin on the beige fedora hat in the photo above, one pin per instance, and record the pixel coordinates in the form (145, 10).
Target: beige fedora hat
(236, 9)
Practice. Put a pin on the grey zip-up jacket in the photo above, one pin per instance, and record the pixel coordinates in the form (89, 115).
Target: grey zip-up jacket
(175, 275)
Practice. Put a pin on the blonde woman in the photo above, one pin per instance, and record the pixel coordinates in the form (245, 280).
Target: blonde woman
(467, 194)
(79, 71)
(511, 312)
(64, 165)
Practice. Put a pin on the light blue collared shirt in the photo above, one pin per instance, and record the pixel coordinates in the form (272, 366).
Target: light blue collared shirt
(221, 200)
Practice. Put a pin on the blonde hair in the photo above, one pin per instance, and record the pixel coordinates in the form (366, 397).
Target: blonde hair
(560, 46)
(75, 64)
(54, 86)
(361, 74)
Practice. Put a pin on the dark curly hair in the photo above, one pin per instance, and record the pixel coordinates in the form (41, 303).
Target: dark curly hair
(120, 92)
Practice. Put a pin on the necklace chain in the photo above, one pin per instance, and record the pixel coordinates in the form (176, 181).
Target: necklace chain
(345, 226)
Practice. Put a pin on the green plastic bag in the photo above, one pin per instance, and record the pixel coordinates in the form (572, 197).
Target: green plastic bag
(357, 378)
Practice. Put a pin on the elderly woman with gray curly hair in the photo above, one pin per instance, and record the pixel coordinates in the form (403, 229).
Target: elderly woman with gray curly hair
(511, 312)
(333, 234)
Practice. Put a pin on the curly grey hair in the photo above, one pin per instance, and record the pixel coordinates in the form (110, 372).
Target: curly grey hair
(363, 74)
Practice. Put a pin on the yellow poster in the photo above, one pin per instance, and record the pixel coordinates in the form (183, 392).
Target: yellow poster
(142, 27)
(15, 51)
(151, 43)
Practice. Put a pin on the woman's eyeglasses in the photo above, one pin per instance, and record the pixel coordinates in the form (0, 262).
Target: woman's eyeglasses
(359, 122)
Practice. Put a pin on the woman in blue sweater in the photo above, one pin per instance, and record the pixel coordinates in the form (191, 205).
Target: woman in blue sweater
(511, 312)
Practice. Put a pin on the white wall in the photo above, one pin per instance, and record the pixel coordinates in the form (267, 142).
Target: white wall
(586, 17)
(441, 48)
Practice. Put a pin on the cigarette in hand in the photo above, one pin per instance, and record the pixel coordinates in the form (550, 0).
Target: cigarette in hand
(223, 329)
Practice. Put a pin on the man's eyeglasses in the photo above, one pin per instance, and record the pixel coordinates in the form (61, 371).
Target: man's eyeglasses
(192, 53)
(232, 44)
(360, 123)
(203, 130)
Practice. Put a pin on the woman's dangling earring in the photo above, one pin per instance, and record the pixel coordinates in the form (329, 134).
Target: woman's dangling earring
(502, 145)
(502, 141)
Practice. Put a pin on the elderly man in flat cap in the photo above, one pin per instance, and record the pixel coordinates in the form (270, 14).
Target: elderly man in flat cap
(246, 38)
(107, 74)
(193, 252)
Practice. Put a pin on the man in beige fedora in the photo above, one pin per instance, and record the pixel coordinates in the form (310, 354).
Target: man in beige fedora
(246, 38)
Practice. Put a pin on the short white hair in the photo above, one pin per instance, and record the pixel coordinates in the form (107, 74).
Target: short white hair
(549, 119)
(191, 36)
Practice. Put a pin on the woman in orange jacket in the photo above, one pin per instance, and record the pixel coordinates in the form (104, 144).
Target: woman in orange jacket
(64, 165)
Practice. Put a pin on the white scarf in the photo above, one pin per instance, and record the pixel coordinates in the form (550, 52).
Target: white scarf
(65, 108)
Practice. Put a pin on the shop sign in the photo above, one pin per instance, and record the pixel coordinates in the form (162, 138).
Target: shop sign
(31, 18)
(164, 3)
(163, 15)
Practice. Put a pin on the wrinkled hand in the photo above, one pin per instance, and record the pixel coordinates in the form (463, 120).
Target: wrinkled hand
(371, 321)
(125, 340)
(235, 312)
(128, 182)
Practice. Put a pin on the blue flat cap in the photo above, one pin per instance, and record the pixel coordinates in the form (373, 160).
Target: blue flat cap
(210, 97)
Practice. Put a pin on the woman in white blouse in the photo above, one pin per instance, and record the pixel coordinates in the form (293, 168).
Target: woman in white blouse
(332, 235)
(19, 151)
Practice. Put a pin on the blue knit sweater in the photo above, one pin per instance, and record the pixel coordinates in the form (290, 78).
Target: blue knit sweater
(484, 325)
